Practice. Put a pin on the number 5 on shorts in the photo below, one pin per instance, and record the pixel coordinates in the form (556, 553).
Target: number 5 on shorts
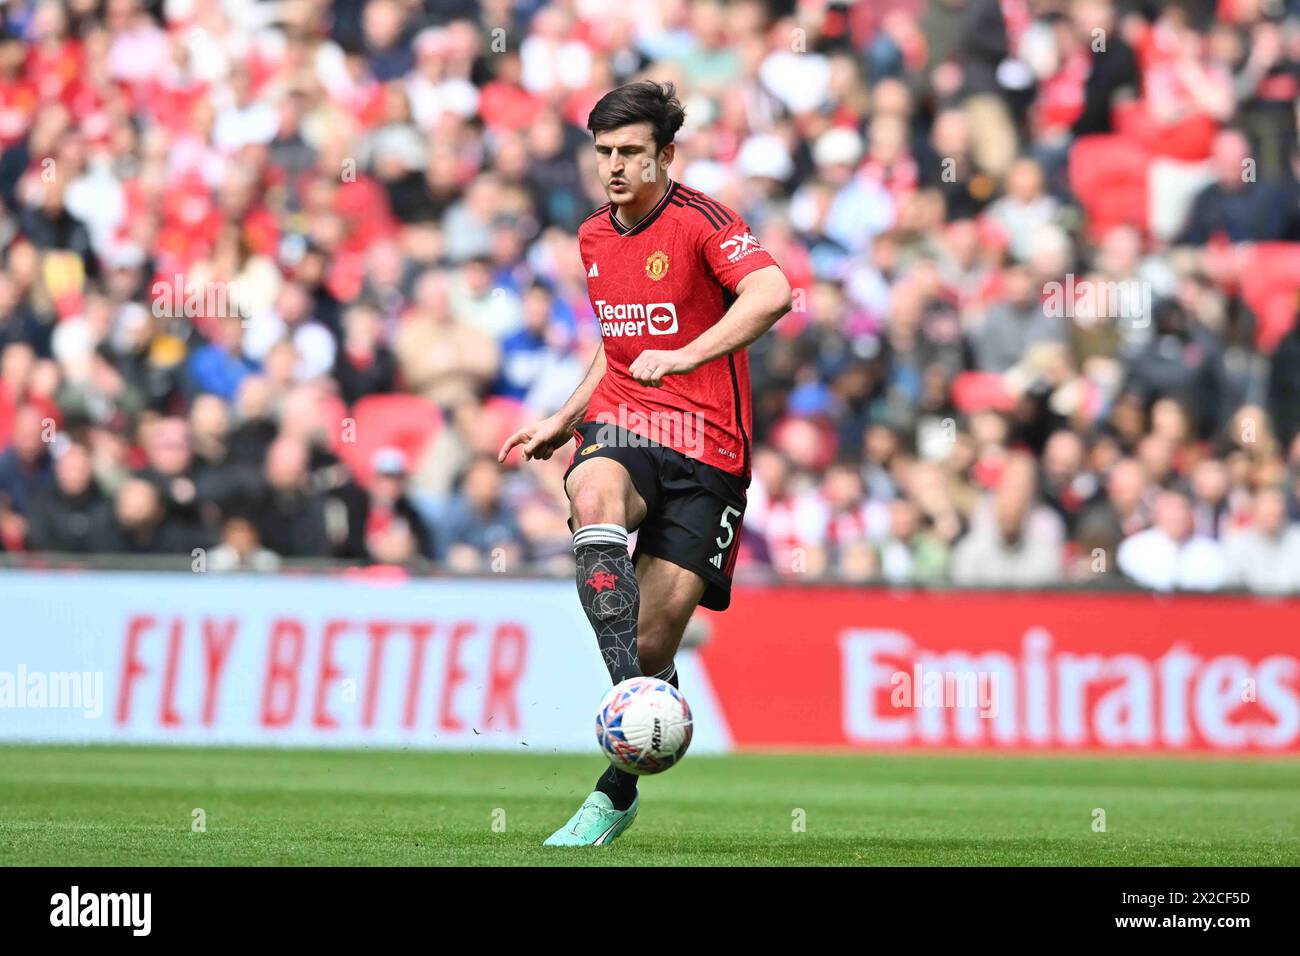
(727, 514)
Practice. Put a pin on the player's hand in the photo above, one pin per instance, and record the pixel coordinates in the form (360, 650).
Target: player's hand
(651, 366)
(540, 439)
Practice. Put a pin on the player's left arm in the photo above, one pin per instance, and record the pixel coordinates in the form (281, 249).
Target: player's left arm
(762, 297)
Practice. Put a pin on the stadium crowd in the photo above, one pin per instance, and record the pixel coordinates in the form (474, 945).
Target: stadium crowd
(387, 193)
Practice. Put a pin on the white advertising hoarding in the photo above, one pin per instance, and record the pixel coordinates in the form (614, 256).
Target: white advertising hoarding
(309, 661)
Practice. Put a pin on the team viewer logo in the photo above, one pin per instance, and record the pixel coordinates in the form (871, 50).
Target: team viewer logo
(656, 267)
(617, 321)
(663, 318)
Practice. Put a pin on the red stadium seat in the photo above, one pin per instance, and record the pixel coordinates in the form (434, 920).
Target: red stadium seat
(980, 391)
(1108, 175)
(1188, 140)
(408, 422)
(501, 417)
(1270, 286)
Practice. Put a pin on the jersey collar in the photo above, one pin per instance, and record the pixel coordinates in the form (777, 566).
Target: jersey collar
(647, 219)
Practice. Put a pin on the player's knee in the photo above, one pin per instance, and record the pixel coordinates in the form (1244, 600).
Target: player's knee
(597, 499)
(592, 503)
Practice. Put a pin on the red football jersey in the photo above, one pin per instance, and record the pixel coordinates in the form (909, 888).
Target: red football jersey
(659, 285)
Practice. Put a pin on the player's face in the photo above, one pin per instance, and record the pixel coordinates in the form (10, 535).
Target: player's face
(628, 164)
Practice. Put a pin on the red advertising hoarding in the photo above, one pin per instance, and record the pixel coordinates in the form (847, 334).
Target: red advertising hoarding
(1006, 670)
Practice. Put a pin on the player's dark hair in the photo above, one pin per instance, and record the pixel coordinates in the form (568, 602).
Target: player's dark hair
(642, 102)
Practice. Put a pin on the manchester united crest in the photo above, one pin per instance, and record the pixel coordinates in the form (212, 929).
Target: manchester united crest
(656, 267)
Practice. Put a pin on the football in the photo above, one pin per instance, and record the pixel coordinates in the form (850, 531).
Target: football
(643, 725)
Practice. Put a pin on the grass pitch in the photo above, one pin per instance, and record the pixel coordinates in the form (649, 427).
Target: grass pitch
(71, 806)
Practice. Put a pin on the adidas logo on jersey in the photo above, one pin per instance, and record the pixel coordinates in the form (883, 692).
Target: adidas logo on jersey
(716, 560)
(592, 273)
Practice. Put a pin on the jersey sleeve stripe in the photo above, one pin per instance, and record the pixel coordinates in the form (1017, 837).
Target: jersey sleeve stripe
(703, 211)
(716, 206)
(713, 204)
(722, 217)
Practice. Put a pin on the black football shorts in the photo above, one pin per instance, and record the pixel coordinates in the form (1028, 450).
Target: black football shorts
(693, 510)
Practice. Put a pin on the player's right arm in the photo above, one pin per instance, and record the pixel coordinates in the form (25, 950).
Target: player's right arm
(542, 438)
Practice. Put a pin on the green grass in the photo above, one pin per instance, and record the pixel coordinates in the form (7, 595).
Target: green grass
(133, 805)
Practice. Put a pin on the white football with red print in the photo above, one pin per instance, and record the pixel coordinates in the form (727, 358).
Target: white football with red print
(643, 725)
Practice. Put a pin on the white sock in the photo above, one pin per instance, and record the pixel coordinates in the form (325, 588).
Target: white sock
(600, 534)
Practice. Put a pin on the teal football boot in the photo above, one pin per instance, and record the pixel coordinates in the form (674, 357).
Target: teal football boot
(596, 823)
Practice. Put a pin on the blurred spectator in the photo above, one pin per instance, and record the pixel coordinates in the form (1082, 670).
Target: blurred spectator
(170, 467)
(25, 469)
(1266, 556)
(1211, 515)
(852, 524)
(1235, 207)
(1182, 361)
(1025, 208)
(292, 319)
(1014, 325)
(72, 516)
(364, 365)
(444, 359)
(1066, 487)
(789, 518)
(292, 519)
(531, 355)
(217, 476)
(241, 549)
(144, 527)
(1113, 75)
(908, 553)
(1171, 554)
(394, 531)
(478, 304)
(1124, 509)
(220, 366)
(480, 533)
(1013, 542)
(882, 449)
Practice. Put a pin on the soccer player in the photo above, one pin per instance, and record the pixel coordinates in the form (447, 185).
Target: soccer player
(680, 287)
